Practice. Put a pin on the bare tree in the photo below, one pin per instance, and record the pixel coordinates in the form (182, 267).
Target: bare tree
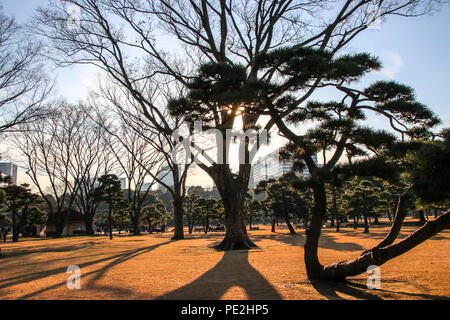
(147, 151)
(23, 85)
(135, 157)
(90, 160)
(48, 146)
(64, 155)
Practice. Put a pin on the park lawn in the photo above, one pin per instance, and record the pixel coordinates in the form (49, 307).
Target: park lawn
(153, 267)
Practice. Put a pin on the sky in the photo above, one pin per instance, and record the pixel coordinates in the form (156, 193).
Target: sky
(414, 51)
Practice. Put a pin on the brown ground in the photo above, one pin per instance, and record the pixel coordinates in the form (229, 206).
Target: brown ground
(153, 267)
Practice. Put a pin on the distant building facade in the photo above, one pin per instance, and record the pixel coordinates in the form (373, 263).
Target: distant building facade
(165, 176)
(272, 167)
(75, 225)
(123, 183)
(146, 186)
(9, 169)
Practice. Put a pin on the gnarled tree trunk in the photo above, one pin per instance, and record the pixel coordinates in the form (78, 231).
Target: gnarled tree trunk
(313, 266)
(236, 236)
(377, 255)
(232, 191)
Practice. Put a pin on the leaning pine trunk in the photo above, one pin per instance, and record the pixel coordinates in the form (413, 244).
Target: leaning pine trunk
(378, 255)
(291, 229)
(313, 266)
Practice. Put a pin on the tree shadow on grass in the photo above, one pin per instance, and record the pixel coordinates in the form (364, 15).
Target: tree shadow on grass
(114, 260)
(233, 270)
(395, 292)
(326, 241)
(12, 252)
(330, 290)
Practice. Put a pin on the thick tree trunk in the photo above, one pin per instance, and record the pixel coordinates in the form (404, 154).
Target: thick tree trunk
(135, 224)
(313, 266)
(110, 222)
(389, 216)
(88, 219)
(61, 219)
(232, 191)
(206, 225)
(375, 220)
(178, 219)
(366, 224)
(236, 236)
(15, 231)
(190, 224)
(273, 225)
(421, 217)
(338, 224)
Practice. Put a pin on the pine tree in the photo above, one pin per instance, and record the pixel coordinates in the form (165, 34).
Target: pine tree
(109, 191)
(22, 203)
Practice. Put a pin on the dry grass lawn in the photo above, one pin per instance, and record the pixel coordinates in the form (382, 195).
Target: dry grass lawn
(153, 267)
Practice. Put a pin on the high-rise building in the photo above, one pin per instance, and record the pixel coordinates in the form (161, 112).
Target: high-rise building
(9, 169)
(123, 183)
(166, 176)
(146, 186)
(271, 167)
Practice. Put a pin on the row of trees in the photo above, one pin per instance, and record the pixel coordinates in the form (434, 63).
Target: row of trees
(27, 212)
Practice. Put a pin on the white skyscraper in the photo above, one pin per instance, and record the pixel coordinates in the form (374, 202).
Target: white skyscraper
(9, 169)
(271, 167)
